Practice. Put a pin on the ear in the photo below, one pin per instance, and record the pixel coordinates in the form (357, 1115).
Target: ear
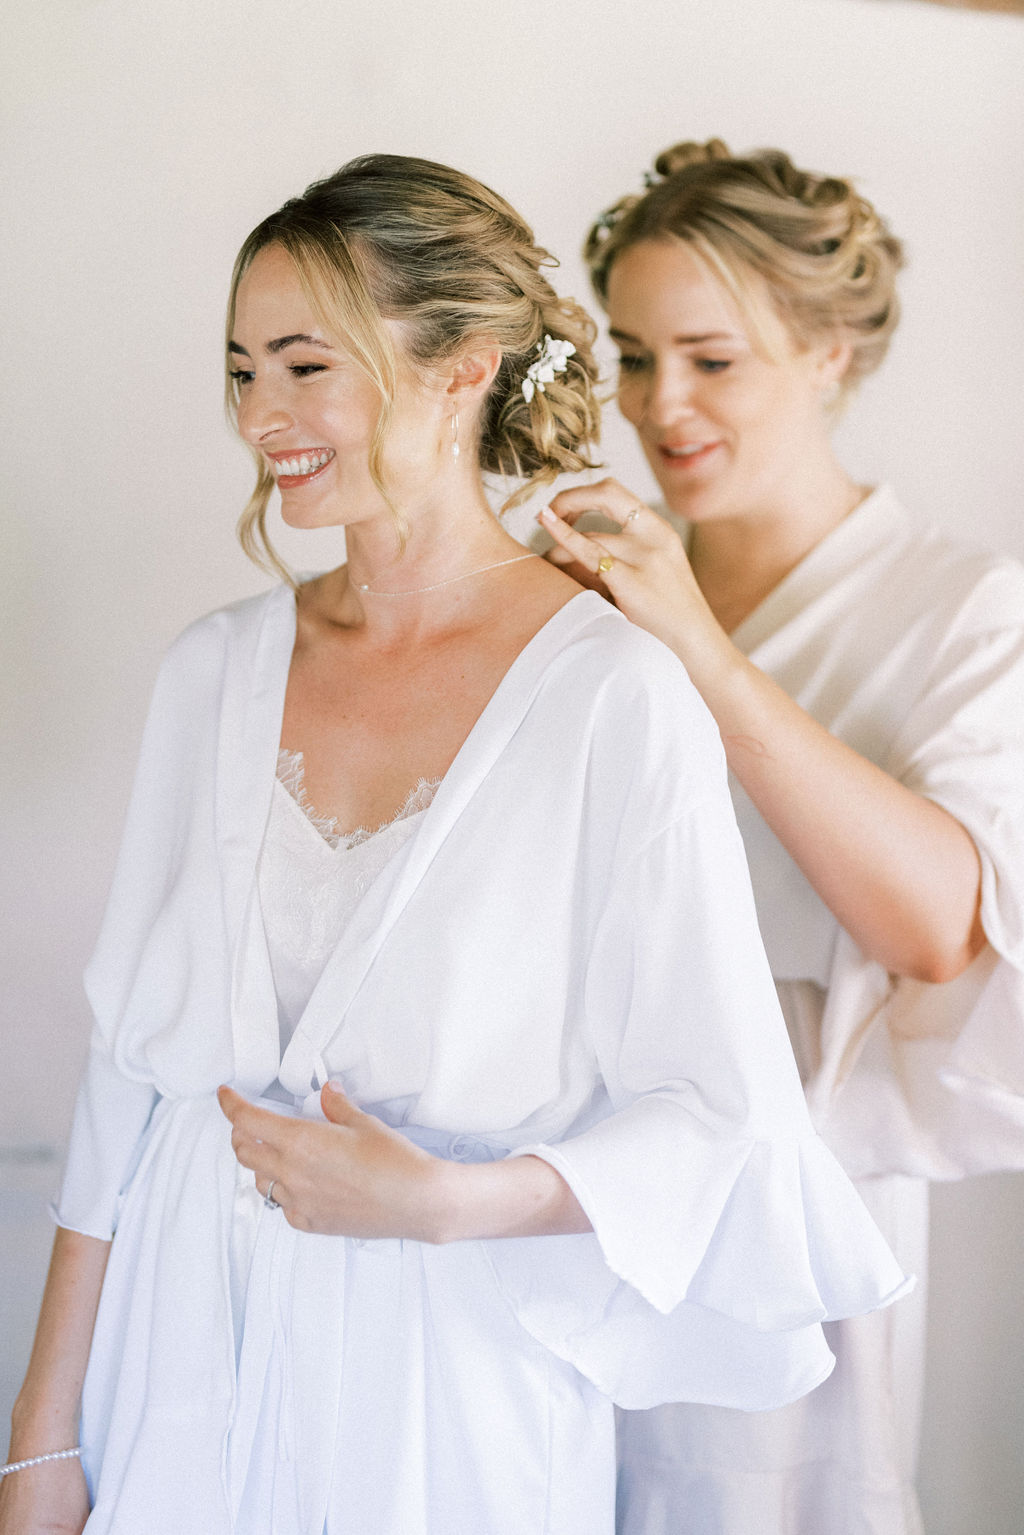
(832, 358)
(471, 375)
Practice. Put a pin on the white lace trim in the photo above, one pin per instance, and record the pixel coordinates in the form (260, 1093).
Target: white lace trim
(291, 773)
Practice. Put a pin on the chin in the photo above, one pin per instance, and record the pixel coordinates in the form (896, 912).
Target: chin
(693, 504)
(306, 514)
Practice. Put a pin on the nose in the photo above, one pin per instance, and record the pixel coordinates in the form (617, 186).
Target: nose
(261, 413)
(670, 397)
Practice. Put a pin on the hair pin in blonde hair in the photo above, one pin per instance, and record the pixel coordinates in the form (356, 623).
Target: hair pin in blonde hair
(554, 356)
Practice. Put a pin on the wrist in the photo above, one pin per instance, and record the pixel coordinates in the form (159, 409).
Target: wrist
(450, 1203)
(40, 1425)
(715, 666)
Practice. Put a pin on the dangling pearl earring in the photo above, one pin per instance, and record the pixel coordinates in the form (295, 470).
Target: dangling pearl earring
(455, 434)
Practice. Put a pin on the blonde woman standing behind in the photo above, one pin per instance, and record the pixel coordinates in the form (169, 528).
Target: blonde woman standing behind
(867, 677)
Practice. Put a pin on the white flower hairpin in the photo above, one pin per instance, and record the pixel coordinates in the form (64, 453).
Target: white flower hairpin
(553, 358)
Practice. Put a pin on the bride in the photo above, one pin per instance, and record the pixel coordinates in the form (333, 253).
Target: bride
(438, 1095)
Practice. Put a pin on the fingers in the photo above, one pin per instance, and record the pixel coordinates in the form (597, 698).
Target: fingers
(558, 556)
(244, 1115)
(606, 496)
(259, 1138)
(249, 1122)
(337, 1107)
(591, 550)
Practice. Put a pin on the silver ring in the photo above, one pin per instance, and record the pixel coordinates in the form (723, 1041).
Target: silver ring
(268, 1198)
(632, 516)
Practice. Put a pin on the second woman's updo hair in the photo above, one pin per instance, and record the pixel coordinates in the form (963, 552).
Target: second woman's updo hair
(389, 236)
(828, 259)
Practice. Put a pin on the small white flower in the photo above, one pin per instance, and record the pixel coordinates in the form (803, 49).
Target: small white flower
(553, 358)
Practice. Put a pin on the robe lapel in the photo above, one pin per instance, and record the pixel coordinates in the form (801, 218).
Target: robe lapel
(388, 897)
(256, 676)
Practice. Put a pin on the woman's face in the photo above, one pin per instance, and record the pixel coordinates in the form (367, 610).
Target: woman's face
(724, 427)
(311, 411)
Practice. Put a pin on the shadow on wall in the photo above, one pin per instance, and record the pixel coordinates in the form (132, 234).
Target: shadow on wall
(1006, 7)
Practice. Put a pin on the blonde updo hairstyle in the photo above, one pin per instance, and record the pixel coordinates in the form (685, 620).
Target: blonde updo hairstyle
(827, 258)
(389, 236)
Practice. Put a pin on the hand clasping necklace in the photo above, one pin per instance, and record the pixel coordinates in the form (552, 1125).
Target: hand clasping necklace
(364, 586)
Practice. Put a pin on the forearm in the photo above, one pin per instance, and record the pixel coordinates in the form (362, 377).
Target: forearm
(898, 872)
(517, 1197)
(45, 1416)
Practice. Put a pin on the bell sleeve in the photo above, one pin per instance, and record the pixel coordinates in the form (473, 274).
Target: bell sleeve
(724, 1231)
(929, 1079)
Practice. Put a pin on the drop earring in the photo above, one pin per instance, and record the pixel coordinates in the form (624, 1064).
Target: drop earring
(455, 434)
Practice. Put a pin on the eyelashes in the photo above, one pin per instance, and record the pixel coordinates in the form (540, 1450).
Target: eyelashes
(630, 364)
(243, 376)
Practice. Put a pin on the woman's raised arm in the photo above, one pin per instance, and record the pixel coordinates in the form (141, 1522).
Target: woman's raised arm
(898, 872)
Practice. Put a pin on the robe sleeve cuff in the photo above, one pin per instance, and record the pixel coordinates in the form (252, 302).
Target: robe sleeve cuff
(768, 1232)
(111, 1116)
(711, 1264)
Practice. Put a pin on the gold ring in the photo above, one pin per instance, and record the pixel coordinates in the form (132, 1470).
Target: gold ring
(604, 565)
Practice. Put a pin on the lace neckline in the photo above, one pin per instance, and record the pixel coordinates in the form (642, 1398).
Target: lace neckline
(291, 775)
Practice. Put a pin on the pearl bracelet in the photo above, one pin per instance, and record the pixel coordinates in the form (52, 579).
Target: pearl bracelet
(38, 1460)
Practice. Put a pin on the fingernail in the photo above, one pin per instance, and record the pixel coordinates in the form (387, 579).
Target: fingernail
(335, 1086)
(545, 514)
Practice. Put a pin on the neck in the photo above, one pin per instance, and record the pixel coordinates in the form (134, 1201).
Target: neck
(739, 559)
(442, 543)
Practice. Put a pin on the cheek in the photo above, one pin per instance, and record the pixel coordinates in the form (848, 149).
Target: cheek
(630, 399)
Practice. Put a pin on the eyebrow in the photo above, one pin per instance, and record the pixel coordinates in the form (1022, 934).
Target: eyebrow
(711, 335)
(282, 341)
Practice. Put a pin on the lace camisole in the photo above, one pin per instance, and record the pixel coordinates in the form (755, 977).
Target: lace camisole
(312, 876)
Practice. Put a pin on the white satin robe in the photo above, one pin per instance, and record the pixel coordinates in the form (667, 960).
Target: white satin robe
(562, 960)
(910, 648)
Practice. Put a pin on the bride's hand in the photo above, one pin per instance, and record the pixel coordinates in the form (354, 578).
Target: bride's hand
(643, 568)
(353, 1176)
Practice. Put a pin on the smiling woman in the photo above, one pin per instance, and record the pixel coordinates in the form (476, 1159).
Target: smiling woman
(380, 298)
(438, 1093)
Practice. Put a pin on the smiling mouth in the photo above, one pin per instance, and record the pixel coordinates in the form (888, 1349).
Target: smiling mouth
(295, 467)
(690, 453)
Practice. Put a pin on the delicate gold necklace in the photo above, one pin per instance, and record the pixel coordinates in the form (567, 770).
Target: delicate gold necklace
(364, 586)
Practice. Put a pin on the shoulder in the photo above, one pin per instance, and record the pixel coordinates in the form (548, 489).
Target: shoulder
(962, 583)
(621, 693)
(607, 652)
(204, 648)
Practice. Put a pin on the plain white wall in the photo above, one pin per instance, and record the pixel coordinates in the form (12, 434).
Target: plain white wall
(142, 140)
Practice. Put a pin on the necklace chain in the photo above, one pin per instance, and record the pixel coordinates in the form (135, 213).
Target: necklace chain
(415, 591)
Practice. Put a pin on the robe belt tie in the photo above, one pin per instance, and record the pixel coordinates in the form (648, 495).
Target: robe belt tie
(453, 1147)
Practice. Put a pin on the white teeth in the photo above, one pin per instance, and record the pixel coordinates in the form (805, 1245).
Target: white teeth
(305, 463)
